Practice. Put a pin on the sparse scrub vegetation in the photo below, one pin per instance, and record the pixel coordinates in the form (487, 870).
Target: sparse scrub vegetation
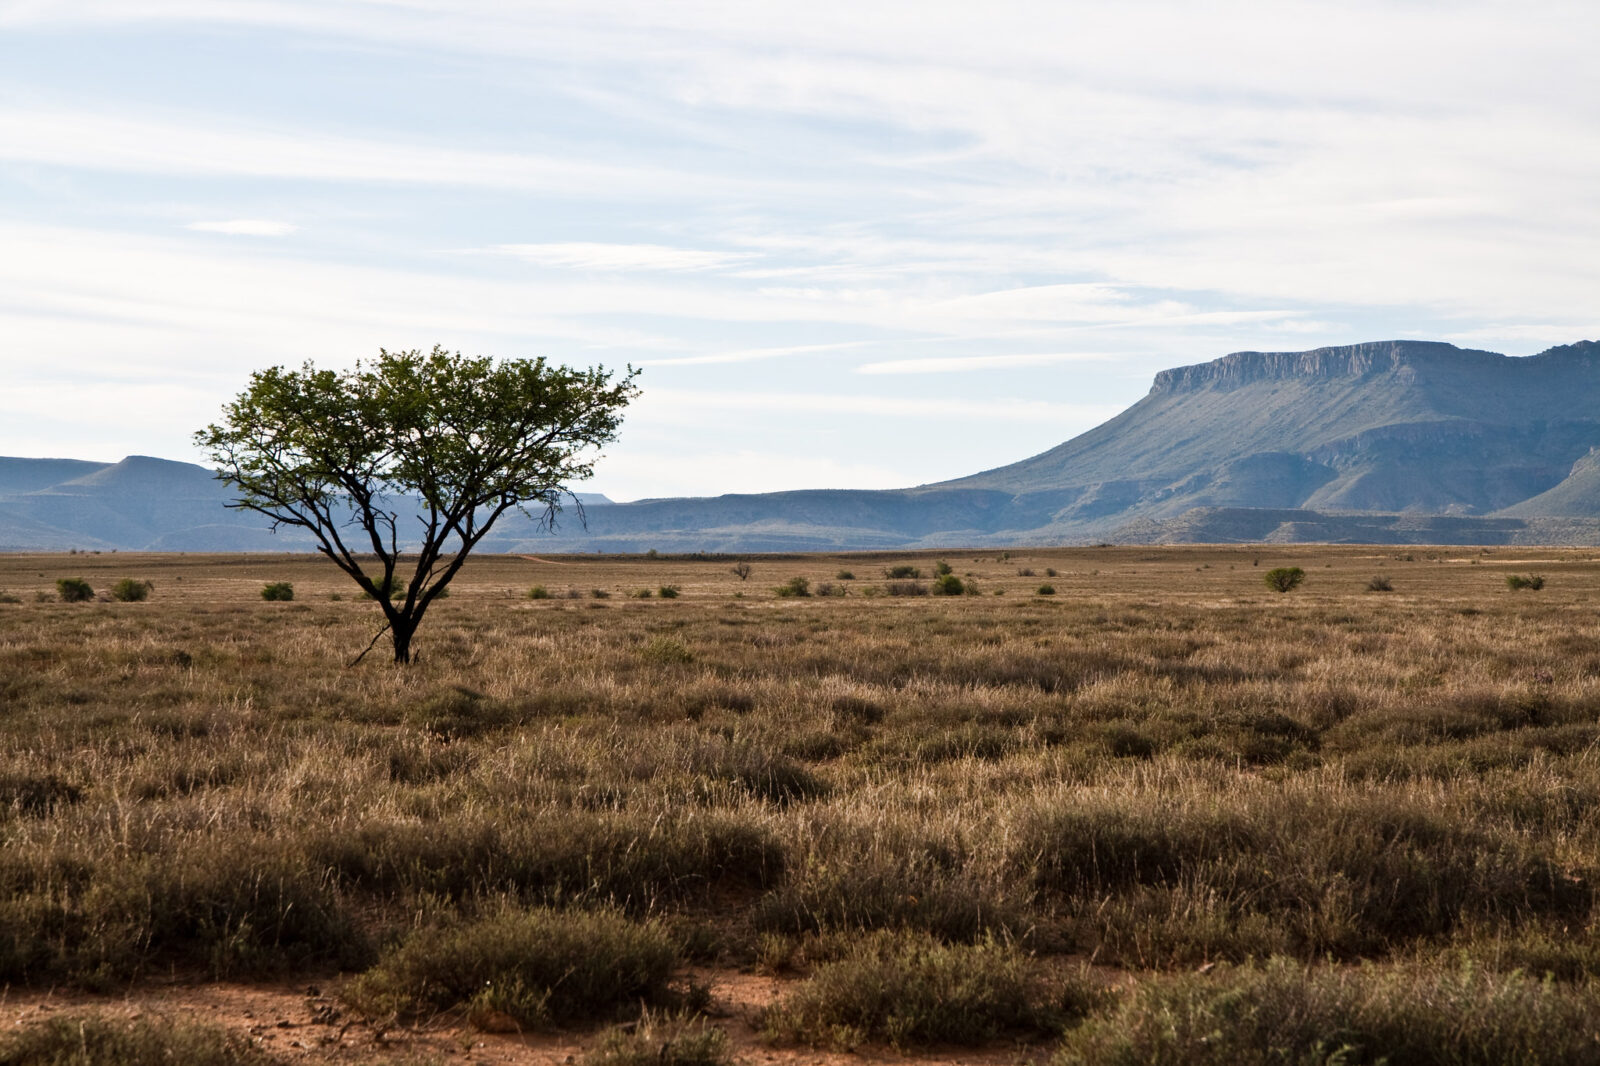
(538, 592)
(1518, 582)
(1380, 583)
(279, 591)
(94, 1040)
(1367, 819)
(795, 586)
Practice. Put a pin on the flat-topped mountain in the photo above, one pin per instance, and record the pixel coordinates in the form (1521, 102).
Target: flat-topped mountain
(1390, 442)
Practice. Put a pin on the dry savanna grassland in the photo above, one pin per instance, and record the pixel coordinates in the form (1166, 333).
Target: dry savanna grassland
(1158, 814)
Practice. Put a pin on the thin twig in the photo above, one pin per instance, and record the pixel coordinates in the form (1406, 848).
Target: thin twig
(363, 655)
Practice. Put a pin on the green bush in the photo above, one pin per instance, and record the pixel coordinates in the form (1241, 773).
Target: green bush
(280, 591)
(91, 1040)
(667, 592)
(74, 590)
(909, 989)
(901, 572)
(1047, 590)
(795, 586)
(538, 592)
(537, 967)
(130, 590)
(941, 568)
(845, 575)
(948, 584)
(1516, 582)
(1283, 578)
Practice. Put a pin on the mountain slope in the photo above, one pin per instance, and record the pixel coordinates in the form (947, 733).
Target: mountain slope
(1396, 441)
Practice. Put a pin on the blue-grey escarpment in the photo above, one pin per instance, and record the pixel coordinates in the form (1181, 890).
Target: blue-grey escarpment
(1391, 442)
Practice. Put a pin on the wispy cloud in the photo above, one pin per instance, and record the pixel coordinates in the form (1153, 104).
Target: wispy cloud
(245, 227)
(619, 258)
(962, 363)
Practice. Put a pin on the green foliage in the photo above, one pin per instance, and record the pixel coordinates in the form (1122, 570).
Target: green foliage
(947, 584)
(844, 575)
(92, 1040)
(941, 569)
(901, 571)
(74, 590)
(1283, 578)
(667, 592)
(1047, 590)
(909, 989)
(131, 590)
(538, 967)
(1517, 582)
(795, 586)
(538, 592)
(643, 594)
(470, 438)
(279, 591)
(1280, 1013)
(662, 1039)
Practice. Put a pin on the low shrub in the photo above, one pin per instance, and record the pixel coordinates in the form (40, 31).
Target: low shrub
(909, 989)
(941, 568)
(599, 594)
(662, 1039)
(538, 592)
(278, 591)
(1047, 590)
(74, 590)
(1049, 571)
(533, 967)
(844, 575)
(9, 597)
(1284, 1013)
(665, 651)
(1283, 578)
(902, 571)
(92, 1040)
(667, 592)
(795, 586)
(1380, 583)
(905, 588)
(948, 584)
(131, 590)
(1517, 582)
(643, 594)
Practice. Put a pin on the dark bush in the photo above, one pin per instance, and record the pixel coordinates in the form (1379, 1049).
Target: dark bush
(278, 591)
(74, 590)
(130, 590)
(795, 586)
(1517, 582)
(903, 570)
(90, 1040)
(948, 585)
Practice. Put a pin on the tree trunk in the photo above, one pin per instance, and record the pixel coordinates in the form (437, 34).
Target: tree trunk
(402, 629)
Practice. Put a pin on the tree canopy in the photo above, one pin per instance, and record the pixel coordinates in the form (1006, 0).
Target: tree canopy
(413, 454)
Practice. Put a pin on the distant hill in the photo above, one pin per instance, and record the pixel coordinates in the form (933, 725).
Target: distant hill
(1390, 442)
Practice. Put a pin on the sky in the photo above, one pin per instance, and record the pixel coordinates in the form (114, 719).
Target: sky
(852, 244)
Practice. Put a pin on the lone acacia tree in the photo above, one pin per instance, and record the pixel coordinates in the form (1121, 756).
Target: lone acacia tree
(455, 441)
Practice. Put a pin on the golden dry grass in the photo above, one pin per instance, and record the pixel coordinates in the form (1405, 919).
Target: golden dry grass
(1163, 765)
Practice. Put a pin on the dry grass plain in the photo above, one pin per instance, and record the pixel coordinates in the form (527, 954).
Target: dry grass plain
(1161, 815)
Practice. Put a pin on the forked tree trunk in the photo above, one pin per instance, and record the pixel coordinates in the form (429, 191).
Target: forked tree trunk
(402, 629)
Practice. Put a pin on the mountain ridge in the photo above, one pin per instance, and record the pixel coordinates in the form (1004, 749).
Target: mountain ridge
(1382, 441)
